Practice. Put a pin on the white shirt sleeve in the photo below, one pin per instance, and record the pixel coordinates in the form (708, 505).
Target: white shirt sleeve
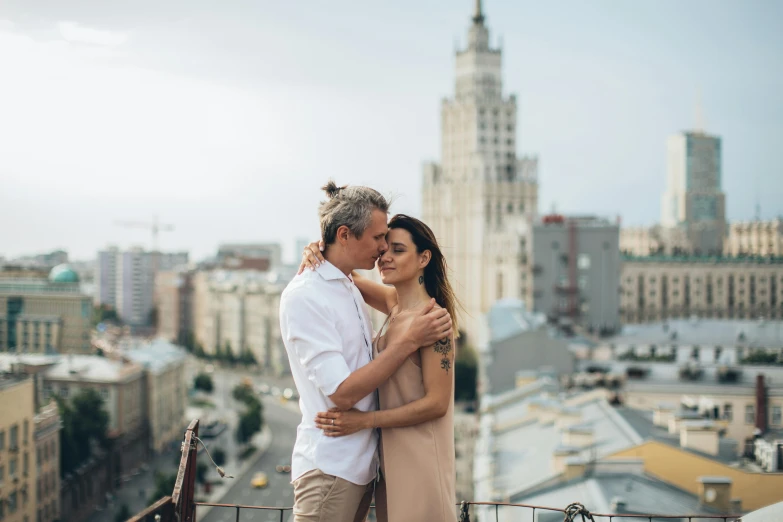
(312, 337)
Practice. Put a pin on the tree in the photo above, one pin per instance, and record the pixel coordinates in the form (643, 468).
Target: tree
(123, 514)
(228, 354)
(199, 352)
(85, 424)
(104, 313)
(247, 358)
(250, 422)
(243, 393)
(252, 419)
(188, 341)
(153, 318)
(465, 374)
(164, 486)
(201, 472)
(219, 456)
(203, 382)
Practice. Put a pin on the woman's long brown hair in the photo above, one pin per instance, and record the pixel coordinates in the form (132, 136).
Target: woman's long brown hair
(436, 280)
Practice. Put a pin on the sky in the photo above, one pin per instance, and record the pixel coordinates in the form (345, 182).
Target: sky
(225, 118)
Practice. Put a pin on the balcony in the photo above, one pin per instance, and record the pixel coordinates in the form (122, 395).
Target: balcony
(181, 505)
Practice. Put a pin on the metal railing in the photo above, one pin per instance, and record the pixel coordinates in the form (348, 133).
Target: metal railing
(181, 505)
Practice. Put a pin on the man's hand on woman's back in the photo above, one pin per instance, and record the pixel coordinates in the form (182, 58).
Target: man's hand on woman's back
(429, 326)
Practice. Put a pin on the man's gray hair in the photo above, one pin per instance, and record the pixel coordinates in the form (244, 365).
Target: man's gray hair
(349, 206)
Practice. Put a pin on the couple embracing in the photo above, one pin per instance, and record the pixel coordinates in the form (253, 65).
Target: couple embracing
(377, 407)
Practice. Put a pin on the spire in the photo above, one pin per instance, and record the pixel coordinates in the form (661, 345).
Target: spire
(478, 16)
(699, 112)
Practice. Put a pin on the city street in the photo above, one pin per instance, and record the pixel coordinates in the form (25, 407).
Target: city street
(280, 416)
(279, 493)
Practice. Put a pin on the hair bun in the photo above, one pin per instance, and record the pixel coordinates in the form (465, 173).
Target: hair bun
(331, 189)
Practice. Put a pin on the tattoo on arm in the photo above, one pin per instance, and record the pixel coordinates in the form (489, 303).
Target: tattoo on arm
(443, 347)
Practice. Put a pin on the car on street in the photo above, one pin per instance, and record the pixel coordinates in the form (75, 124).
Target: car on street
(263, 389)
(283, 467)
(260, 480)
(290, 394)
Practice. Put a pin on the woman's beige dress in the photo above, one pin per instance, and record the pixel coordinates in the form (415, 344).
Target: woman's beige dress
(417, 462)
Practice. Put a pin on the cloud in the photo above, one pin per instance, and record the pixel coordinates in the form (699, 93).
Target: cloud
(6, 25)
(75, 33)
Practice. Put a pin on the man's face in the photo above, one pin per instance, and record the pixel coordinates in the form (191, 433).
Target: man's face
(365, 251)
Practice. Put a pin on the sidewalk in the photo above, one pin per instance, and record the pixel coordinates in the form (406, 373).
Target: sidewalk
(220, 486)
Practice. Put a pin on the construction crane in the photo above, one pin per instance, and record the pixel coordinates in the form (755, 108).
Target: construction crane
(155, 227)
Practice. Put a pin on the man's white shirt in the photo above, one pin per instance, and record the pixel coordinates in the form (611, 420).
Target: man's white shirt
(328, 335)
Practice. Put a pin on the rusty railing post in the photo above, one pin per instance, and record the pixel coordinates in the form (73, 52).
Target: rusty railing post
(184, 495)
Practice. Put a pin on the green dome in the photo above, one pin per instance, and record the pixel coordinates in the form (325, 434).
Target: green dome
(63, 274)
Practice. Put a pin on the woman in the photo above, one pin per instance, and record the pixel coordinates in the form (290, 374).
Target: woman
(417, 402)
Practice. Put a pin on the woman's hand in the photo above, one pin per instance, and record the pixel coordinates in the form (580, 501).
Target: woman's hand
(312, 256)
(336, 423)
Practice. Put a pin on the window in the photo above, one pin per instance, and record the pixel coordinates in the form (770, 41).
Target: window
(777, 416)
(583, 261)
(12, 468)
(14, 437)
(750, 414)
(12, 502)
(2, 475)
(26, 463)
(2, 440)
(26, 432)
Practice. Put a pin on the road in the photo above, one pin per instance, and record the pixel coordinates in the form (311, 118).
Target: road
(282, 421)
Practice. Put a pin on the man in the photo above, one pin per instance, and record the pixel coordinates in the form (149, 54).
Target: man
(328, 337)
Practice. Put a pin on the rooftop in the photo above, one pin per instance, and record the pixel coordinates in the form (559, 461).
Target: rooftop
(713, 260)
(720, 332)
(8, 380)
(604, 489)
(513, 468)
(37, 286)
(642, 422)
(509, 317)
(73, 367)
(156, 356)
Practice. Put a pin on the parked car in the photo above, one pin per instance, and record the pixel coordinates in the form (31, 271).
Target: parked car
(283, 467)
(260, 480)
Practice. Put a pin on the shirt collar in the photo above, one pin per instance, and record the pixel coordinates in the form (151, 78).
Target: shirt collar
(330, 272)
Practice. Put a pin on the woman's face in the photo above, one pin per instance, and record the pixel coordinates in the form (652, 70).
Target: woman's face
(401, 262)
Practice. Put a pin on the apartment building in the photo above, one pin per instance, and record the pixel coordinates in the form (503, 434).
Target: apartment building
(239, 310)
(656, 288)
(44, 314)
(755, 238)
(17, 449)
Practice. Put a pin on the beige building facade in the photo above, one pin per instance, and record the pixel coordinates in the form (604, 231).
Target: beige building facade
(47, 462)
(240, 310)
(174, 304)
(755, 238)
(40, 315)
(17, 450)
(657, 288)
(645, 241)
(165, 389)
(480, 189)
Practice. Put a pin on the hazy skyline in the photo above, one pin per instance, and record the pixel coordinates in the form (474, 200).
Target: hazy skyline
(225, 118)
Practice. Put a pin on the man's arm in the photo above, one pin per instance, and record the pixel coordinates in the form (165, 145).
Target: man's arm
(313, 337)
(430, 325)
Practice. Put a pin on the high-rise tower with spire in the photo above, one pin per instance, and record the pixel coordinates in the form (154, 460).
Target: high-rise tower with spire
(479, 200)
